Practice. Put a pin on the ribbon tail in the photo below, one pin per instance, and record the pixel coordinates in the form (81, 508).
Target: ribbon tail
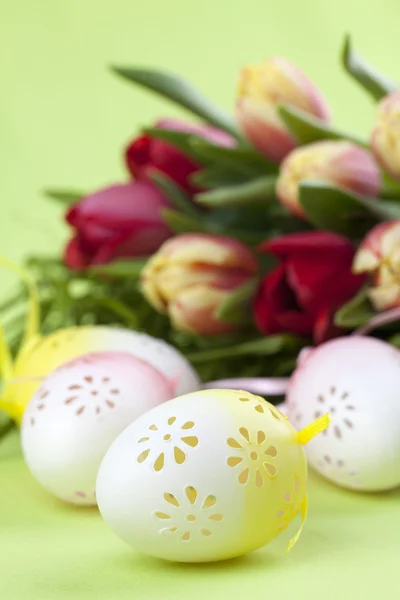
(385, 318)
(305, 435)
(294, 540)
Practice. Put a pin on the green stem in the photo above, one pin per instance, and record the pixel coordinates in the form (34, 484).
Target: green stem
(6, 429)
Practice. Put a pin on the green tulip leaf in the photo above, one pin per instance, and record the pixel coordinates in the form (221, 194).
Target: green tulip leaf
(342, 211)
(390, 187)
(120, 269)
(395, 340)
(376, 84)
(236, 307)
(217, 176)
(180, 223)
(179, 139)
(176, 195)
(65, 197)
(356, 312)
(265, 346)
(307, 129)
(255, 191)
(240, 158)
(177, 90)
(6, 425)
(120, 309)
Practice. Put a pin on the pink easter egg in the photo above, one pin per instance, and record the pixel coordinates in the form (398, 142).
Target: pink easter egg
(357, 380)
(78, 411)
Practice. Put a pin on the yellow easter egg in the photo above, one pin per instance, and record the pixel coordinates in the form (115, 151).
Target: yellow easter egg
(207, 476)
(41, 357)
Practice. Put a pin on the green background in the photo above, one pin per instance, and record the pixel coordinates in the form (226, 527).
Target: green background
(63, 121)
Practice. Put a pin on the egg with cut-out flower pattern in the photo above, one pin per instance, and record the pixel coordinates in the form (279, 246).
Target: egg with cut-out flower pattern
(207, 476)
(78, 411)
(49, 352)
(356, 380)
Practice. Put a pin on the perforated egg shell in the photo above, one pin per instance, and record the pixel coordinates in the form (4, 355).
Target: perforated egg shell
(54, 350)
(204, 477)
(77, 413)
(357, 380)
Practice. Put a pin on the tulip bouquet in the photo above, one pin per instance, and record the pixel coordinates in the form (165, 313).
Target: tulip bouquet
(242, 238)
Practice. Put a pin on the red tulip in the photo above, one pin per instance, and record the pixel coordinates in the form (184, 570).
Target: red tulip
(192, 275)
(146, 153)
(120, 221)
(312, 281)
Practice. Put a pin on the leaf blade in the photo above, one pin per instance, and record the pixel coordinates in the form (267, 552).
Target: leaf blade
(255, 191)
(376, 84)
(176, 195)
(64, 197)
(307, 129)
(177, 90)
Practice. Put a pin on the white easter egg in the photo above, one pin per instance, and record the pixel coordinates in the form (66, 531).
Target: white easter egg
(207, 476)
(77, 413)
(357, 380)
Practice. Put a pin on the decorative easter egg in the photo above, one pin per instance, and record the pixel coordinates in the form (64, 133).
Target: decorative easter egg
(77, 413)
(207, 476)
(357, 380)
(50, 352)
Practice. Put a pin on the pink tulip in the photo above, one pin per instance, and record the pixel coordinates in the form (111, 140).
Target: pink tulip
(120, 221)
(261, 89)
(379, 255)
(191, 276)
(341, 164)
(385, 138)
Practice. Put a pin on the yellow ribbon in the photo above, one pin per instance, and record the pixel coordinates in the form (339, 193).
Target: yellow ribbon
(303, 510)
(313, 429)
(30, 339)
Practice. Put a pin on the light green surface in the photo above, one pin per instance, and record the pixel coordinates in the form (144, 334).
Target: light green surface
(63, 120)
(49, 550)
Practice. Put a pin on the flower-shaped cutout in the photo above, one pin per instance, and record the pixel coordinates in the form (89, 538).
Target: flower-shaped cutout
(292, 506)
(339, 405)
(178, 440)
(190, 517)
(254, 458)
(261, 406)
(100, 387)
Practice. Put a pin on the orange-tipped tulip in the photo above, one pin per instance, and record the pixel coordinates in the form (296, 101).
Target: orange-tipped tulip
(261, 89)
(190, 277)
(385, 138)
(341, 164)
(379, 255)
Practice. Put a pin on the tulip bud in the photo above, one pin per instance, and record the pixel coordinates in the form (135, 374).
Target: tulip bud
(341, 164)
(190, 277)
(379, 255)
(385, 140)
(261, 88)
(120, 221)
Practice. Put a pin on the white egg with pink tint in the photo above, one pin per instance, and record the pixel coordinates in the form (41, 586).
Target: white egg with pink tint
(357, 381)
(79, 410)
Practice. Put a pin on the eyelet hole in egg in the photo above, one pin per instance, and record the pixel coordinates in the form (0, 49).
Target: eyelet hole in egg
(194, 514)
(254, 464)
(176, 437)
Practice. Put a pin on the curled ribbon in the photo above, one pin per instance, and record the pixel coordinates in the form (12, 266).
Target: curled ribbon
(29, 341)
